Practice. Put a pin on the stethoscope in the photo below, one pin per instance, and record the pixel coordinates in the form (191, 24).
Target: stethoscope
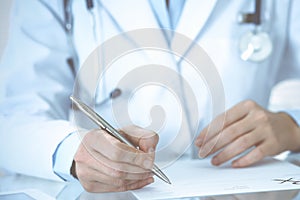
(255, 45)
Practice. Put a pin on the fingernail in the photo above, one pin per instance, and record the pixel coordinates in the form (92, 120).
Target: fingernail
(201, 154)
(235, 164)
(198, 142)
(215, 161)
(150, 180)
(147, 164)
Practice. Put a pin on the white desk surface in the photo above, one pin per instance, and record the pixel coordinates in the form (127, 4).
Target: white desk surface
(60, 190)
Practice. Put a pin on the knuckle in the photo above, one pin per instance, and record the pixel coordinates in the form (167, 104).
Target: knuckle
(244, 142)
(148, 136)
(89, 187)
(136, 159)
(80, 154)
(249, 104)
(97, 132)
(133, 126)
(80, 173)
(123, 188)
(246, 161)
(155, 137)
(233, 131)
(118, 174)
(145, 175)
(146, 133)
(260, 152)
(117, 153)
(119, 182)
(91, 135)
(262, 116)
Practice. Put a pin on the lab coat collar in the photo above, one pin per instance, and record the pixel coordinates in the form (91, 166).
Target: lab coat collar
(134, 14)
(192, 21)
(140, 15)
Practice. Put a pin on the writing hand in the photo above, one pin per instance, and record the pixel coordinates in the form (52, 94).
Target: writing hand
(104, 164)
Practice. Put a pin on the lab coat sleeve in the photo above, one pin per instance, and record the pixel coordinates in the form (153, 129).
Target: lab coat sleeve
(63, 156)
(290, 66)
(34, 111)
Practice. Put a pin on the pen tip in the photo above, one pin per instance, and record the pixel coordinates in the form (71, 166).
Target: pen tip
(167, 180)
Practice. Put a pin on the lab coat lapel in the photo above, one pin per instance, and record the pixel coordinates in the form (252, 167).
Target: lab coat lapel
(127, 16)
(135, 14)
(132, 14)
(193, 20)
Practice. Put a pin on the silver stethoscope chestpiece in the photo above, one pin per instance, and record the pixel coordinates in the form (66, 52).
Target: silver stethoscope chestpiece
(255, 46)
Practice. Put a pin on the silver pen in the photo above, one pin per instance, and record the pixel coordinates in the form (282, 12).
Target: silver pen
(96, 118)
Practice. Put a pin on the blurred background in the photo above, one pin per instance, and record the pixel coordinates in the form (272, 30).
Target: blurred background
(285, 95)
(5, 7)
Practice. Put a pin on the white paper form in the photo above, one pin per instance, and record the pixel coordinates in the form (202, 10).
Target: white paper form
(192, 178)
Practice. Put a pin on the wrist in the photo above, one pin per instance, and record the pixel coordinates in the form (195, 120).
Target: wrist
(294, 132)
(64, 156)
(297, 147)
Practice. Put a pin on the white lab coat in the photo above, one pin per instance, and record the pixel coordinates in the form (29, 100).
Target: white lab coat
(36, 134)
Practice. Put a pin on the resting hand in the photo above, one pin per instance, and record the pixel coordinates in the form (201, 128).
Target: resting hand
(104, 164)
(244, 126)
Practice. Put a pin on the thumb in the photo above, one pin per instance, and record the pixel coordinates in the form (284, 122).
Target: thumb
(145, 139)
